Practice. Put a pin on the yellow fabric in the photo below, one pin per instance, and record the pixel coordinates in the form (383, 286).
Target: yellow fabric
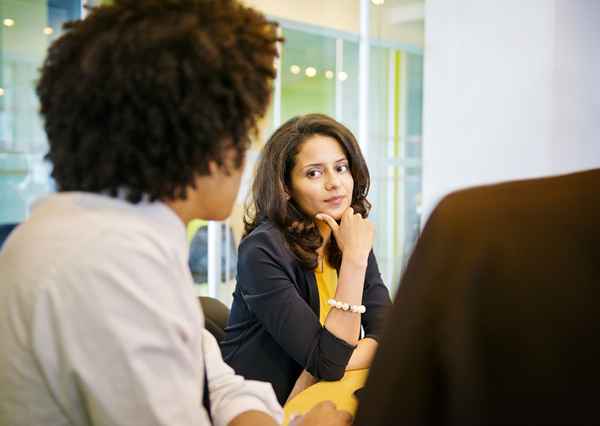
(340, 392)
(326, 284)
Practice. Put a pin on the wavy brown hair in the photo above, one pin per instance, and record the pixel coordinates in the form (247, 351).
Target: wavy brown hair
(143, 94)
(272, 183)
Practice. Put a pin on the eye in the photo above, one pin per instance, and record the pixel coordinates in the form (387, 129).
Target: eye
(314, 173)
(342, 168)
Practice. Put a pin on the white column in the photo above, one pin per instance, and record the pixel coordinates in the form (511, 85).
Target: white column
(214, 257)
(339, 87)
(363, 77)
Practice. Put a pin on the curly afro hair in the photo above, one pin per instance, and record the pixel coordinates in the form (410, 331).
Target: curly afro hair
(142, 94)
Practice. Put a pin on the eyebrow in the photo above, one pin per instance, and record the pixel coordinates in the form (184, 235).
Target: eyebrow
(321, 164)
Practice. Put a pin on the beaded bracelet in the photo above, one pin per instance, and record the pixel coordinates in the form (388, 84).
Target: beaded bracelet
(357, 309)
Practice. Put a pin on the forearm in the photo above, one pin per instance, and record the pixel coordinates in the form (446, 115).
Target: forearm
(363, 355)
(304, 380)
(253, 418)
(346, 324)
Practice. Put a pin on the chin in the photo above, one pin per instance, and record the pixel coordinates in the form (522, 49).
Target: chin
(336, 214)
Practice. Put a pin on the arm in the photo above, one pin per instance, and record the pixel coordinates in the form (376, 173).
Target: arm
(376, 298)
(232, 397)
(304, 381)
(265, 274)
(354, 236)
(363, 355)
(253, 418)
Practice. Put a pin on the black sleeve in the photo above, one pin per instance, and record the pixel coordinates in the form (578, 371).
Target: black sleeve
(268, 290)
(403, 383)
(376, 299)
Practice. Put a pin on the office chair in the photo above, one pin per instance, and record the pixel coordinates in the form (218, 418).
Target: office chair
(5, 230)
(216, 315)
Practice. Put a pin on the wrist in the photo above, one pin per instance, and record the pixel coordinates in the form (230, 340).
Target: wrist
(356, 259)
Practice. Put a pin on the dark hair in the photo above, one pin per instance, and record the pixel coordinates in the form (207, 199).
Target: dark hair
(269, 200)
(142, 94)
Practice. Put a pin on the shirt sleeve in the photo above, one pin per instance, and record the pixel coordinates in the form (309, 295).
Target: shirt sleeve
(269, 292)
(120, 336)
(376, 299)
(231, 395)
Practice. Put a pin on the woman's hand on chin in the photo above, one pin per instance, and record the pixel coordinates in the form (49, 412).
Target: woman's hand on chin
(354, 234)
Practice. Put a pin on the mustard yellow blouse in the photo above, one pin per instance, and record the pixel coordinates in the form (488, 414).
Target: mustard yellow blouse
(327, 280)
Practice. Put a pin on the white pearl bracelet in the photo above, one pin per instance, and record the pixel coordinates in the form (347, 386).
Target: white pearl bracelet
(357, 309)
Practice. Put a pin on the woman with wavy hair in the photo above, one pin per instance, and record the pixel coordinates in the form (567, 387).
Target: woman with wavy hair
(307, 278)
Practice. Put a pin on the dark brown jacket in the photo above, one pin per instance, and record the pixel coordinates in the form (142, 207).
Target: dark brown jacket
(497, 318)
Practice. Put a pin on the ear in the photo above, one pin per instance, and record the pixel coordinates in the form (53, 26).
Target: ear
(286, 191)
(213, 168)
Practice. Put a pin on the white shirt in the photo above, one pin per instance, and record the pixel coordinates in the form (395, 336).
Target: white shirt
(99, 324)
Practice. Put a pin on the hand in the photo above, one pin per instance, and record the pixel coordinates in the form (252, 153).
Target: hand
(323, 414)
(354, 234)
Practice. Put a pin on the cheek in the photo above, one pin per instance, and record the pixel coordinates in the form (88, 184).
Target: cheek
(349, 184)
(306, 197)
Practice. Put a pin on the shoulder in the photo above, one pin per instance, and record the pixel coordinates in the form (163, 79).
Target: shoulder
(265, 237)
(524, 199)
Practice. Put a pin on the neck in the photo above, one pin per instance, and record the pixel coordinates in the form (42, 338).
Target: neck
(187, 209)
(181, 210)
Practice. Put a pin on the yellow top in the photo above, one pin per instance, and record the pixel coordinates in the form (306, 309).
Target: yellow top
(326, 284)
(341, 392)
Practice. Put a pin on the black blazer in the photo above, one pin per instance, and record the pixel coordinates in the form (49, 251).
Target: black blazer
(497, 318)
(274, 331)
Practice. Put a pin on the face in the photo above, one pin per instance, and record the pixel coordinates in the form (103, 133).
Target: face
(321, 180)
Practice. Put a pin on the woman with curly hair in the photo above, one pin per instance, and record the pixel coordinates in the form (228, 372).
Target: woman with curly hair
(307, 277)
(147, 106)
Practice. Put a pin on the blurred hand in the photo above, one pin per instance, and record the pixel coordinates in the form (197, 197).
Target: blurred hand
(354, 234)
(323, 414)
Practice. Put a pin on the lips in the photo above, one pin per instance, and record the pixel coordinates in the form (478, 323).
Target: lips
(335, 200)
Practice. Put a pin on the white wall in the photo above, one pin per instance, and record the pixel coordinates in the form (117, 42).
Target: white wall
(512, 90)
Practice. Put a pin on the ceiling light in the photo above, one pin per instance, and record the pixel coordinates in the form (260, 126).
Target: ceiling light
(377, 2)
(329, 74)
(9, 22)
(295, 69)
(342, 76)
(48, 30)
(310, 72)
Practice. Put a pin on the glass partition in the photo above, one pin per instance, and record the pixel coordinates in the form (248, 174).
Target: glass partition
(318, 72)
(26, 29)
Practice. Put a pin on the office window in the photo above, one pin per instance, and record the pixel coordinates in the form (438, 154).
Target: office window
(318, 72)
(26, 29)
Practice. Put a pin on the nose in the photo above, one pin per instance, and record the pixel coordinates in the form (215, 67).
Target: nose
(332, 181)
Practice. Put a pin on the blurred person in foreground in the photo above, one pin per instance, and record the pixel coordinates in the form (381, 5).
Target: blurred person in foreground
(497, 317)
(148, 106)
